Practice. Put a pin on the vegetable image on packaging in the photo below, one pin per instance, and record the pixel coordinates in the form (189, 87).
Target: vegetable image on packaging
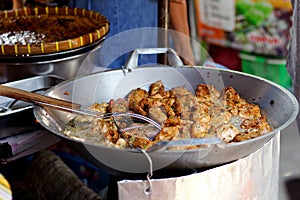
(256, 26)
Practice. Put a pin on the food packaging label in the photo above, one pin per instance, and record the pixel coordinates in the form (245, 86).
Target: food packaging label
(256, 26)
(218, 14)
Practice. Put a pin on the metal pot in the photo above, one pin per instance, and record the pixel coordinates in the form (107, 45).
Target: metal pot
(278, 104)
(64, 64)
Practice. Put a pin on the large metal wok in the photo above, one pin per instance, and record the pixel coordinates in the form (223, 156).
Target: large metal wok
(277, 103)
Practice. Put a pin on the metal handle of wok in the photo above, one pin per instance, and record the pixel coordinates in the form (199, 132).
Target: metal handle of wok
(132, 61)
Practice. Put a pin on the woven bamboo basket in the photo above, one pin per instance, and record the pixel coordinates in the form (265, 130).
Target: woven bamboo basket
(17, 48)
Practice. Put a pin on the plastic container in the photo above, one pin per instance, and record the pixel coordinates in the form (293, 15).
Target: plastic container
(270, 68)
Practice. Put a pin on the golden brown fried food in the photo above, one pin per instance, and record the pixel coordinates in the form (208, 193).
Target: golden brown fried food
(119, 105)
(182, 114)
(230, 93)
(99, 107)
(134, 99)
(157, 88)
(199, 129)
(140, 142)
(207, 93)
(167, 133)
(158, 114)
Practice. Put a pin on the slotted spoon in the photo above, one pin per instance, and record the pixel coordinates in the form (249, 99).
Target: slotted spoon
(68, 106)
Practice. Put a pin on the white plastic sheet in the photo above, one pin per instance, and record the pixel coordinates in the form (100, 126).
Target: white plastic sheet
(254, 177)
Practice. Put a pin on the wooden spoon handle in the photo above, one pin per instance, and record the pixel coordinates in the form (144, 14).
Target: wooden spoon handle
(35, 98)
